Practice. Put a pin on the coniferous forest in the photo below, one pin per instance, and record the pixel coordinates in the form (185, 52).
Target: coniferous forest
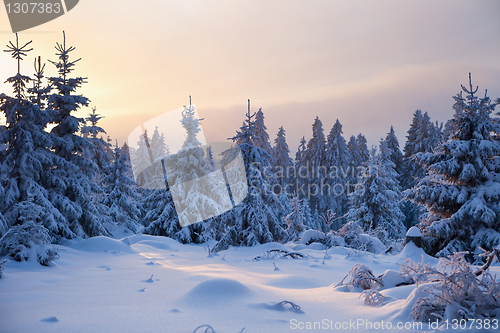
(61, 177)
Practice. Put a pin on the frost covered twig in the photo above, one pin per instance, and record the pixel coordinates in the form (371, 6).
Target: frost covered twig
(208, 329)
(490, 257)
(292, 304)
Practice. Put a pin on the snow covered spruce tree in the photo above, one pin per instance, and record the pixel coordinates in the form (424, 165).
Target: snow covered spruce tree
(261, 138)
(316, 148)
(394, 152)
(375, 203)
(423, 136)
(363, 147)
(122, 197)
(255, 219)
(71, 187)
(337, 162)
(100, 151)
(301, 174)
(295, 220)
(283, 164)
(462, 190)
(30, 220)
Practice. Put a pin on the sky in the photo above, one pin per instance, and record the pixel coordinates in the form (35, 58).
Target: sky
(370, 64)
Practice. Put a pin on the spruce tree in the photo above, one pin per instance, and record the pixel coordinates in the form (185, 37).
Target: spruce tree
(461, 190)
(260, 133)
(99, 151)
(71, 190)
(295, 219)
(255, 219)
(337, 161)
(283, 164)
(29, 219)
(375, 203)
(122, 197)
(355, 160)
(316, 148)
(395, 153)
(363, 147)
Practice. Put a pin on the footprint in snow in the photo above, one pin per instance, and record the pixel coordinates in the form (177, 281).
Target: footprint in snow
(142, 290)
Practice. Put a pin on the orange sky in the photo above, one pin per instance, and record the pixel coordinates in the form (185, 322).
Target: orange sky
(370, 64)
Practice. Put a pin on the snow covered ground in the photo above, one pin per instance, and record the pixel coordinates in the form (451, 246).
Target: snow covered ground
(145, 283)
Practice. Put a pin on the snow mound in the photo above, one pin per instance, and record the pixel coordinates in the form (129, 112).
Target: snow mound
(310, 236)
(98, 244)
(374, 245)
(415, 253)
(216, 290)
(414, 232)
(155, 244)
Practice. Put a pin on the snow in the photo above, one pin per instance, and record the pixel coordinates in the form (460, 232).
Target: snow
(145, 283)
(414, 232)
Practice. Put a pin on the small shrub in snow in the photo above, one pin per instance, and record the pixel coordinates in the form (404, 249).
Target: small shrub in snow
(278, 254)
(361, 276)
(30, 240)
(292, 304)
(373, 297)
(457, 292)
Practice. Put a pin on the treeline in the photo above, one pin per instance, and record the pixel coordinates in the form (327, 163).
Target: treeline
(69, 182)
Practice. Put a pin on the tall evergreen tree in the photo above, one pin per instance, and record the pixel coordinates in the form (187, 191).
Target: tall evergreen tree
(462, 188)
(375, 203)
(394, 152)
(316, 148)
(337, 161)
(260, 133)
(363, 147)
(300, 176)
(122, 199)
(355, 160)
(295, 220)
(99, 152)
(255, 219)
(71, 191)
(423, 136)
(282, 161)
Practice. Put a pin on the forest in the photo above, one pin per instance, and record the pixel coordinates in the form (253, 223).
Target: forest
(62, 177)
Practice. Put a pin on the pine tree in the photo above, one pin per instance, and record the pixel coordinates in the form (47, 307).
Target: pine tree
(27, 161)
(260, 133)
(306, 211)
(27, 207)
(316, 148)
(337, 160)
(122, 197)
(375, 203)
(461, 190)
(301, 174)
(423, 136)
(355, 160)
(363, 147)
(99, 151)
(254, 220)
(295, 220)
(283, 164)
(395, 153)
(71, 185)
